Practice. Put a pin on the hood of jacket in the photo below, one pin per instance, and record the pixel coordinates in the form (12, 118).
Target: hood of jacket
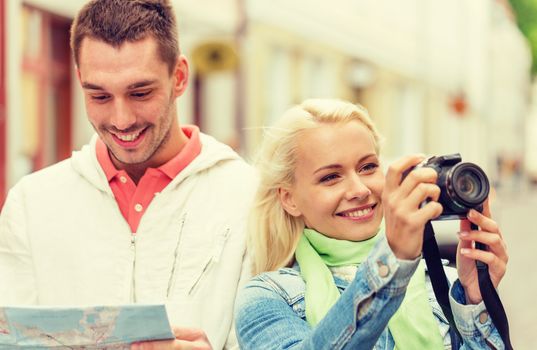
(213, 152)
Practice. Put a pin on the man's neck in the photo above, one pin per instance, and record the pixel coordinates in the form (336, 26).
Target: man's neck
(136, 172)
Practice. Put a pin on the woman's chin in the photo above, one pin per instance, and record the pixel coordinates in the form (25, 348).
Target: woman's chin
(363, 233)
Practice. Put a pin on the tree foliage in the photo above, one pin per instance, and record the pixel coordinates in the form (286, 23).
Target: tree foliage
(526, 17)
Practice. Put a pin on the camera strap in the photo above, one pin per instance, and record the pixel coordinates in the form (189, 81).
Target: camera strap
(491, 298)
(431, 254)
(440, 285)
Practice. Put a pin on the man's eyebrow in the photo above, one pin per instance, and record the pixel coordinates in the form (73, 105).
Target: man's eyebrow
(91, 86)
(141, 84)
(138, 84)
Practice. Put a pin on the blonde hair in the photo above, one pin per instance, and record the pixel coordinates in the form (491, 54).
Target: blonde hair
(273, 234)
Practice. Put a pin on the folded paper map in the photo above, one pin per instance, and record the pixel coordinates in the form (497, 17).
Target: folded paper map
(97, 327)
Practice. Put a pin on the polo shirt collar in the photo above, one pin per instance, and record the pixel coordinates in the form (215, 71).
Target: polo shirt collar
(171, 168)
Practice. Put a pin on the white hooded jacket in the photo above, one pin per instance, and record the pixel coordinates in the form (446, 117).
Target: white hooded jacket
(64, 241)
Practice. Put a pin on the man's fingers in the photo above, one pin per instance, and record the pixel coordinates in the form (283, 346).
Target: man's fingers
(172, 345)
(188, 345)
(189, 334)
(153, 345)
(185, 339)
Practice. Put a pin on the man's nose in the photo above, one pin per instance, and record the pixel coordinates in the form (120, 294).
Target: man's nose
(123, 116)
(356, 189)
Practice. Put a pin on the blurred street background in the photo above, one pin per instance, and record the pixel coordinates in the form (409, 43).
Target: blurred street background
(518, 289)
(438, 77)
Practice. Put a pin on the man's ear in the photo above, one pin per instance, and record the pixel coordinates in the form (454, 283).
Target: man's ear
(181, 76)
(288, 203)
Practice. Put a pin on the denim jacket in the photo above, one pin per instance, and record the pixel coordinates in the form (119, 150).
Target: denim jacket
(270, 311)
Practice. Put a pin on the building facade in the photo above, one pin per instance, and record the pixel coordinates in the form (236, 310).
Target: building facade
(434, 74)
(3, 143)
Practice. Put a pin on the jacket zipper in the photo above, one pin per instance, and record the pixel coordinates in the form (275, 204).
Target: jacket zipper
(133, 248)
(214, 258)
(205, 269)
(171, 281)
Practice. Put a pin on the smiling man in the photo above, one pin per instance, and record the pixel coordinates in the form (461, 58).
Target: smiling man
(149, 211)
(130, 100)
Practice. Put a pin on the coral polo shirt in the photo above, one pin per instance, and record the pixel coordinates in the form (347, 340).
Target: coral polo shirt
(133, 200)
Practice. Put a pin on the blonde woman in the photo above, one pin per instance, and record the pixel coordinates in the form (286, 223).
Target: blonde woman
(336, 245)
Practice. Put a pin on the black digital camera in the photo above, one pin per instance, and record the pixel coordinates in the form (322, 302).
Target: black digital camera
(463, 186)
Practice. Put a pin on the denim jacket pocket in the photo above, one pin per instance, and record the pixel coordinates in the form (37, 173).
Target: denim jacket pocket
(288, 283)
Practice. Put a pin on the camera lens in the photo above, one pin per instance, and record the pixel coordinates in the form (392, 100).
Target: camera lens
(468, 185)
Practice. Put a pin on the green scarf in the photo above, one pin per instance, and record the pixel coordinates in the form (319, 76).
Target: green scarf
(412, 326)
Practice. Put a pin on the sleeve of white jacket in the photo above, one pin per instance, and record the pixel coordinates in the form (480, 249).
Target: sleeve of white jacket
(17, 279)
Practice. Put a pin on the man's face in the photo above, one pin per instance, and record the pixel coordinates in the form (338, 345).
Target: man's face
(130, 100)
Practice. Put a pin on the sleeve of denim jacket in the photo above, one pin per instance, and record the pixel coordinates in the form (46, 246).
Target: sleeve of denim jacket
(265, 319)
(231, 341)
(473, 322)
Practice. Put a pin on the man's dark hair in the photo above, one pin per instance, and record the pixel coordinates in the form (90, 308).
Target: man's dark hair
(118, 21)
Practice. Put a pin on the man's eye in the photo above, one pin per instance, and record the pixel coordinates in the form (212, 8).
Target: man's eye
(99, 97)
(140, 94)
(329, 177)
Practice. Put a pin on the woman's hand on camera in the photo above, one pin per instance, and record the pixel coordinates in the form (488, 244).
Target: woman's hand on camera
(404, 219)
(495, 256)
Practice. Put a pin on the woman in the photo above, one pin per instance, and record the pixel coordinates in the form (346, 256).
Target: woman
(336, 246)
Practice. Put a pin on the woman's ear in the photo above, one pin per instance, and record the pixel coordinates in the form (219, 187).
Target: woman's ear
(286, 199)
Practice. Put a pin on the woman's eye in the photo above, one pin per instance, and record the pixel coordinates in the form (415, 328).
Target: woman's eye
(369, 167)
(329, 177)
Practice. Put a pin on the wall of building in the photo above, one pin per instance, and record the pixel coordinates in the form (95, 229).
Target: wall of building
(408, 62)
(443, 82)
(3, 143)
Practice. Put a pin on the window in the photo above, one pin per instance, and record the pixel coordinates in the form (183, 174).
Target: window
(46, 87)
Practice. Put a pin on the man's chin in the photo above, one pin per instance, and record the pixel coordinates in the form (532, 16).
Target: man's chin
(127, 158)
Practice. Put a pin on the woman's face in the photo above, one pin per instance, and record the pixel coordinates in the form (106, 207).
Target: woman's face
(338, 182)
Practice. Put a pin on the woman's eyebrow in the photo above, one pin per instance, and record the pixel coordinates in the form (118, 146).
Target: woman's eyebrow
(339, 166)
(330, 166)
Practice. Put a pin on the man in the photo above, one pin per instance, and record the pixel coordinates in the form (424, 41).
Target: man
(148, 211)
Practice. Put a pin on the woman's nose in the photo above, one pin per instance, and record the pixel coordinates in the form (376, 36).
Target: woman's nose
(357, 189)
